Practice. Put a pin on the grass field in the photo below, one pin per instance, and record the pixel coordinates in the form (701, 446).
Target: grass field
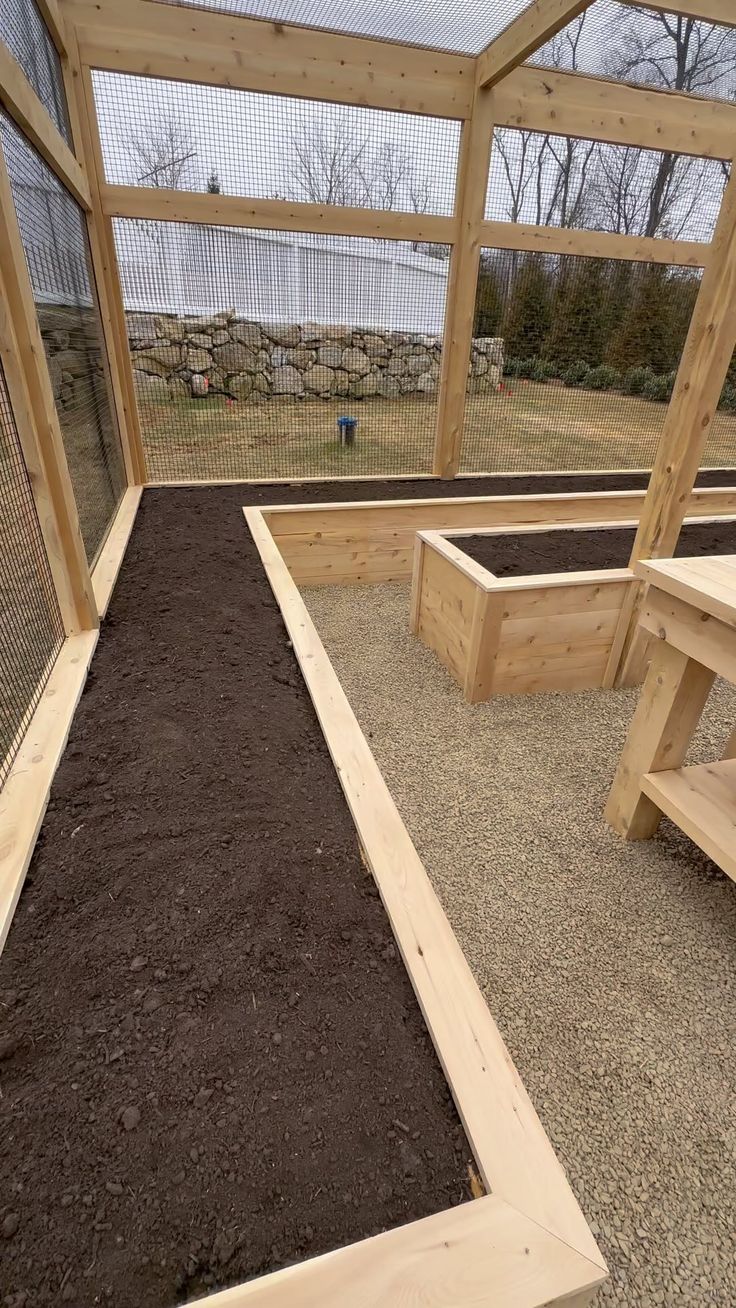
(525, 427)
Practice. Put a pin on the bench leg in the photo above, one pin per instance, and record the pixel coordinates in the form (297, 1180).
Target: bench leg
(671, 702)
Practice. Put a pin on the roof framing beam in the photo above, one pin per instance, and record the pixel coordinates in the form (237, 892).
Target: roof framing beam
(542, 20)
(708, 11)
(193, 45)
(157, 204)
(569, 104)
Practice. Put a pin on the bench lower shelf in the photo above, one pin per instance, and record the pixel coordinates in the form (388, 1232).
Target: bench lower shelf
(701, 800)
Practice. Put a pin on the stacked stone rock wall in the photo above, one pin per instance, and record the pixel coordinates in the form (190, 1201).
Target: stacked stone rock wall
(71, 338)
(182, 358)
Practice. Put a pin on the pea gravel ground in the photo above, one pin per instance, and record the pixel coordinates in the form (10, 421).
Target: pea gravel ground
(608, 967)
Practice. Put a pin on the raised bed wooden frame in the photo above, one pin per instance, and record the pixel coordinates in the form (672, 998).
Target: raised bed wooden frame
(520, 634)
(515, 635)
(523, 1245)
(347, 543)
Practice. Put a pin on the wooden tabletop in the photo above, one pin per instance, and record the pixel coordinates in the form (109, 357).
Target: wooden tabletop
(708, 583)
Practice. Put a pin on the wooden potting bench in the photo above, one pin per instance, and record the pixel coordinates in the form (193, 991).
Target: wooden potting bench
(691, 608)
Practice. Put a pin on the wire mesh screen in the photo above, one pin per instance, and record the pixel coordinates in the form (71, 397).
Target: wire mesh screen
(636, 44)
(54, 237)
(25, 34)
(582, 361)
(31, 631)
(271, 354)
(197, 138)
(455, 25)
(563, 181)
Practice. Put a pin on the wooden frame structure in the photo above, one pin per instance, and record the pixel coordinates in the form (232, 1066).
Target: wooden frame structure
(520, 634)
(690, 612)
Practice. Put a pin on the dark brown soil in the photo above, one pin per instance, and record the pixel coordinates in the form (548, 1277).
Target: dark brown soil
(211, 1059)
(431, 488)
(526, 553)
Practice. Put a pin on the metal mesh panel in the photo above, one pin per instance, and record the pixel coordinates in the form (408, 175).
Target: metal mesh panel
(249, 346)
(562, 181)
(582, 355)
(55, 242)
(164, 133)
(639, 45)
(453, 25)
(31, 631)
(26, 36)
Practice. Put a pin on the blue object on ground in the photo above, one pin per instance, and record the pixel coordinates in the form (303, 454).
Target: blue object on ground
(346, 428)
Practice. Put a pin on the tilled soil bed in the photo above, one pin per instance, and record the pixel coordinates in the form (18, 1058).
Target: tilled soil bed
(211, 1060)
(524, 554)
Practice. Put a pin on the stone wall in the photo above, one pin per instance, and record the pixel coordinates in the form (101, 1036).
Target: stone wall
(179, 358)
(71, 338)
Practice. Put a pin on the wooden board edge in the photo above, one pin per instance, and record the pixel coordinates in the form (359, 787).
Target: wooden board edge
(456, 1259)
(25, 795)
(470, 568)
(514, 1155)
(109, 560)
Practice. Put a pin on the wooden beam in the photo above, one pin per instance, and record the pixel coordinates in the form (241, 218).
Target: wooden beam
(479, 1252)
(220, 49)
(25, 795)
(278, 215)
(708, 351)
(21, 102)
(462, 287)
(104, 262)
(545, 100)
(39, 428)
(708, 11)
(666, 716)
(533, 28)
(600, 245)
(110, 559)
(52, 17)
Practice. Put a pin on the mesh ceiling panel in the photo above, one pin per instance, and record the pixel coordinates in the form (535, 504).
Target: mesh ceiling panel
(26, 36)
(640, 45)
(171, 134)
(452, 25)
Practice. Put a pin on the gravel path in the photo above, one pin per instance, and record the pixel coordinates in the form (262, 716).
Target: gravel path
(609, 967)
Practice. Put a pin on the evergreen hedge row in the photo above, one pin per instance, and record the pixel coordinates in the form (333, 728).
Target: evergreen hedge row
(643, 382)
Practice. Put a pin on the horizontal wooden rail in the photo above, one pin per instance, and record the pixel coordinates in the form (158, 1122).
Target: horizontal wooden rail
(603, 245)
(19, 98)
(25, 795)
(278, 215)
(192, 45)
(544, 100)
(709, 11)
(536, 25)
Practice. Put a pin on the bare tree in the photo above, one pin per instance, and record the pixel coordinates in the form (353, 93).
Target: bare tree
(165, 155)
(677, 54)
(546, 176)
(332, 162)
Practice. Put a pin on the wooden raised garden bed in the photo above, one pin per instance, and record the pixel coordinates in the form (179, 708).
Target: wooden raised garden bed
(196, 921)
(514, 613)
